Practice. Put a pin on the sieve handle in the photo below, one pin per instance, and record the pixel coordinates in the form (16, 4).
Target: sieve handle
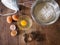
(27, 4)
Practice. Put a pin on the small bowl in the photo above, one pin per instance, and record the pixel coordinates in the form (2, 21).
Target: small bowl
(28, 19)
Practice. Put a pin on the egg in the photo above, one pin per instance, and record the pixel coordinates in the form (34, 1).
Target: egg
(23, 23)
(13, 33)
(15, 17)
(12, 27)
(9, 19)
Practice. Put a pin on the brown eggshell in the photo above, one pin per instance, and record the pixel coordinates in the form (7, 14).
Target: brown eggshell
(13, 33)
(9, 19)
(15, 17)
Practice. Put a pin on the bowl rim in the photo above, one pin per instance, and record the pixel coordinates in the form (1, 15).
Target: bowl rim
(32, 9)
(29, 21)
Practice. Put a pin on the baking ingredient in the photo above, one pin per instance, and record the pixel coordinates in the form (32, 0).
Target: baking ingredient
(44, 12)
(9, 19)
(13, 33)
(15, 17)
(12, 27)
(23, 23)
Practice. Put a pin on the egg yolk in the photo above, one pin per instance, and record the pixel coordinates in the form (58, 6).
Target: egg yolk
(23, 23)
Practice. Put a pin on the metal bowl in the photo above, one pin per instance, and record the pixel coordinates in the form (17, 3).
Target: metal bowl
(53, 3)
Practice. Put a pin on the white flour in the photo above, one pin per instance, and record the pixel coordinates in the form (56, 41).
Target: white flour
(44, 12)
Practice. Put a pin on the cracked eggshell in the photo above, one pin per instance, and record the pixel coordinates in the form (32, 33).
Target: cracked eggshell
(9, 19)
(15, 17)
(13, 33)
(12, 27)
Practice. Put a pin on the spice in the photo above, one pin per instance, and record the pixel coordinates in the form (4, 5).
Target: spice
(38, 36)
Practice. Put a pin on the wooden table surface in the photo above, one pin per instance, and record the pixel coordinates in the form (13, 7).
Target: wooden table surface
(51, 32)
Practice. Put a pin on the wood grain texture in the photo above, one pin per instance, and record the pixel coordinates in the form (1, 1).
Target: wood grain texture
(51, 32)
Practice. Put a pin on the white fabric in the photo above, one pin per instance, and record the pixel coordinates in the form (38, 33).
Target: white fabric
(11, 4)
